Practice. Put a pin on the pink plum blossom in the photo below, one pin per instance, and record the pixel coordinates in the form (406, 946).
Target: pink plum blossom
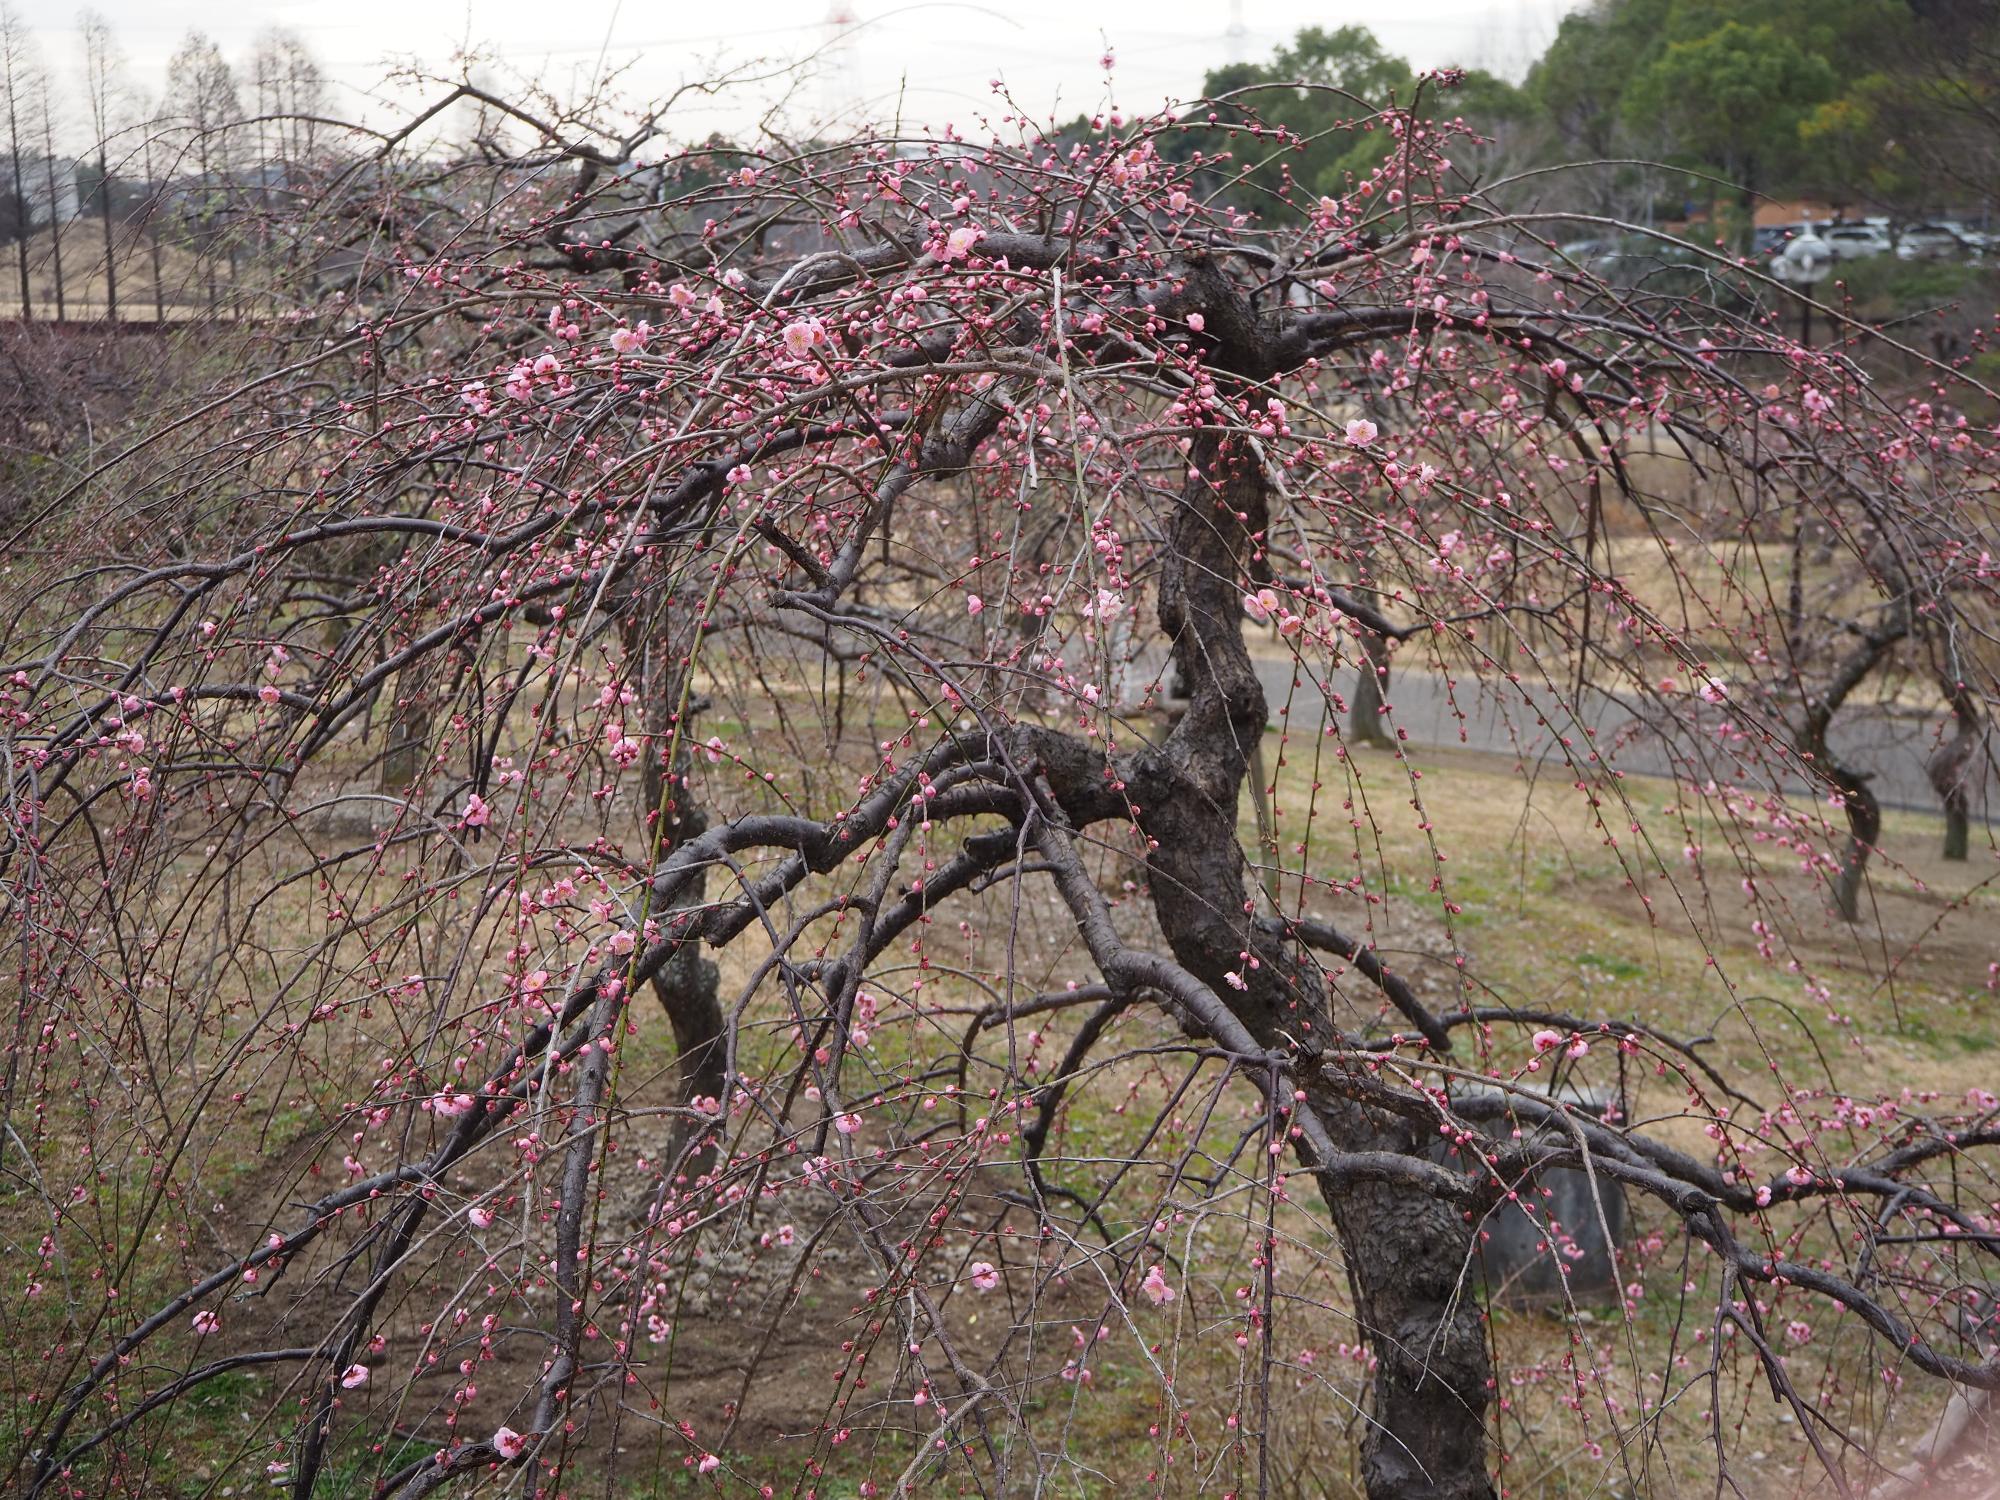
(1261, 605)
(630, 340)
(800, 337)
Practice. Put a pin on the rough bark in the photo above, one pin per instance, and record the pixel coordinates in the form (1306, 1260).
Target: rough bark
(1957, 830)
(1864, 830)
(1952, 766)
(1948, 770)
(1864, 812)
(409, 733)
(687, 987)
(1406, 1252)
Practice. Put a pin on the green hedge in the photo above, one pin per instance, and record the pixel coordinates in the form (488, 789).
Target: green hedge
(1884, 287)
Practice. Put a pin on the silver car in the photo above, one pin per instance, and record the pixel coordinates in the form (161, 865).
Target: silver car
(1935, 241)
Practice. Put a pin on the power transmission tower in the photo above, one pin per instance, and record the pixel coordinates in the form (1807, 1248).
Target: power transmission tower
(840, 92)
(1236, 36)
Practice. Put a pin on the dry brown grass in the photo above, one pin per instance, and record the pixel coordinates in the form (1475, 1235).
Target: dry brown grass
(177, 284)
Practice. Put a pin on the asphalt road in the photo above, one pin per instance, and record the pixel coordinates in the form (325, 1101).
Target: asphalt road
(1891, 746)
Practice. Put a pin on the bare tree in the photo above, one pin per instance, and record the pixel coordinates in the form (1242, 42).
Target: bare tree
(52, 172)
(151, 157)
(203, 107)
(17, 73)
(290, 92)
(104, 91)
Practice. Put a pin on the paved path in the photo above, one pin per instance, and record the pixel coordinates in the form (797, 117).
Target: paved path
(1894, 746)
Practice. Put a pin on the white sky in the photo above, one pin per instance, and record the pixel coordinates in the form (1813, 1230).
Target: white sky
(940, 54)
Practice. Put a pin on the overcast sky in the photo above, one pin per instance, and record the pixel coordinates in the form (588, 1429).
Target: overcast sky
(938, 56)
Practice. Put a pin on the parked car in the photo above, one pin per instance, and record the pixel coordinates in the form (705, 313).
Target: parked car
(1770, 238)
(1979, 242)
(1655, 265)
(1941, 239)
(1856, 241)
(1582, 251)
(1635, 255)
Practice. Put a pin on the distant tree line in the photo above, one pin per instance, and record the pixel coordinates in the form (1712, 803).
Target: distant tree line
(1880, 106)
(210, 148)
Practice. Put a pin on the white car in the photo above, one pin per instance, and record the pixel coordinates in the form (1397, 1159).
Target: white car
(1856, 241)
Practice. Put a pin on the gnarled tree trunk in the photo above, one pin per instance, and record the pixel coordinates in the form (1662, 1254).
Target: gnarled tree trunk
(1864, 812)
(1864, 830)
(1366, 719)
(1951, 766)
(687, 986)
(1406, 1252)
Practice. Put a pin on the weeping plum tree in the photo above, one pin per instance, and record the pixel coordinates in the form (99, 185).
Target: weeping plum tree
(1863, 606)
(761, 569)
